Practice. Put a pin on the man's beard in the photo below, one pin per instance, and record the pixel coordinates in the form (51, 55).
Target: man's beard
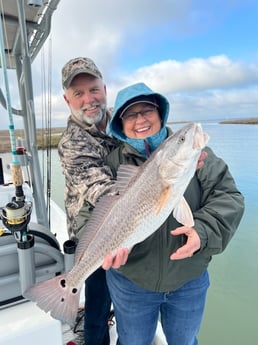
(90, 120)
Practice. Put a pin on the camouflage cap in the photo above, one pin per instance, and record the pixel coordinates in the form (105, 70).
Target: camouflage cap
(76, 66)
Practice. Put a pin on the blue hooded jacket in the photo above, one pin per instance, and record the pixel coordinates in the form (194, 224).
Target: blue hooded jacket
(129, 95)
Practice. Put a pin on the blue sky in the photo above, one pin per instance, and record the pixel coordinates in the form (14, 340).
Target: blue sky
(209, 34)
(202, 55)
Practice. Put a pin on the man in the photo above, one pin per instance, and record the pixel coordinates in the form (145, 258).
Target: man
(82, 148)
(84, 143)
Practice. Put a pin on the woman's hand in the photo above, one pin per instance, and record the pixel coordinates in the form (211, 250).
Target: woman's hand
(192, 245)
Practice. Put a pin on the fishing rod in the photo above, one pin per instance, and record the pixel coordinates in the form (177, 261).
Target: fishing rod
(16, 214)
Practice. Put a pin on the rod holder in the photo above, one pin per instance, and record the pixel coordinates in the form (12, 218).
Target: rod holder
(26, 261)
(69, 254)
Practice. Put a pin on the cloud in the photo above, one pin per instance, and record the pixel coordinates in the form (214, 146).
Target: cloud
(200, 88)
(104, 29)
(216, 87)
(112, 32)
(214, 104)
(195, 74)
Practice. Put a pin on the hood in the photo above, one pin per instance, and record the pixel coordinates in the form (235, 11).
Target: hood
(129, 95)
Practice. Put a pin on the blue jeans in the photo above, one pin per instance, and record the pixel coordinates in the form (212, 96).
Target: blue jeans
(97, 309)
(137, 310)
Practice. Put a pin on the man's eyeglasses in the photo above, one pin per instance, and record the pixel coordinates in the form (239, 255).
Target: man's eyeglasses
(146, 113)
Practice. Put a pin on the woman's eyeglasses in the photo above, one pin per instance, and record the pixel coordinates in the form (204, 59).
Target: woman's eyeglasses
(146, 113)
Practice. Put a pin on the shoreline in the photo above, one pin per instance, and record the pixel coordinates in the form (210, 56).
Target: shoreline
(43, 142)
(249, 121)
(42, 138)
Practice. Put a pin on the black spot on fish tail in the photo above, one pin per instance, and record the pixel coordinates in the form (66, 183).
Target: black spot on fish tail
(63, 283)
(74, 290)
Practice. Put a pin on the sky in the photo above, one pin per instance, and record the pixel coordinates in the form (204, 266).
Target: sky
(202, 55)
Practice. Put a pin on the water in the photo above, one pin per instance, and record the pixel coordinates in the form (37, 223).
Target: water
(231, 311)
(232, 305)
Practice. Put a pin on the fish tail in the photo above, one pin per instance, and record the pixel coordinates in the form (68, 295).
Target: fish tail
(56, 296)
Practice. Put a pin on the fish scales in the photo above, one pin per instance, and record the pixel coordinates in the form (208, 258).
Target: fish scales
(124, 220)
(128, 213)
(139, 204)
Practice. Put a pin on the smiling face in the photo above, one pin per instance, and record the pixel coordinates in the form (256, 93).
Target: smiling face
(86, 97)
(140, 121)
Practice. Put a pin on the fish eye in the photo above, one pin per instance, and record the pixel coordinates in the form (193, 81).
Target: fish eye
(181, 139)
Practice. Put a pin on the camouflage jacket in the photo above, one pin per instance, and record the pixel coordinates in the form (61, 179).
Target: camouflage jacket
(82, 149)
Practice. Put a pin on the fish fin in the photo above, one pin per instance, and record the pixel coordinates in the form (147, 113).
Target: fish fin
(163, 198)
(98, 216)
(183, 213)
(126, 175)
(57, 297)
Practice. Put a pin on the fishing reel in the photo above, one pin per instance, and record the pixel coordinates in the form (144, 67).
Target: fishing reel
(16, 216)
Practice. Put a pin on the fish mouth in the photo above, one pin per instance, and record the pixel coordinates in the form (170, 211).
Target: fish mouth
(200, 138)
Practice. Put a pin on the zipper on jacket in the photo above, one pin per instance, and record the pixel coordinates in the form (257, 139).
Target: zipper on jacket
(160, 263)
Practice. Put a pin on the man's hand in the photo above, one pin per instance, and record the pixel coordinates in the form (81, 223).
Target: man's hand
(116, 261)
(201, 159)
(193, 243)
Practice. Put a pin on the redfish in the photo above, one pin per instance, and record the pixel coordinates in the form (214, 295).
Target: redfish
(147, 196)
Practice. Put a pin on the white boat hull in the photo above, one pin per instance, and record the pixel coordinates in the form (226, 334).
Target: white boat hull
(26, 324)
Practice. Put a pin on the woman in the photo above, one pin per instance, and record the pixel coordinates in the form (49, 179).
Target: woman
(167, 273)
